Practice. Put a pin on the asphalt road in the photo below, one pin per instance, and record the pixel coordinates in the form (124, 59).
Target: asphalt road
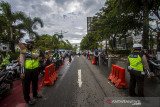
(81, 84)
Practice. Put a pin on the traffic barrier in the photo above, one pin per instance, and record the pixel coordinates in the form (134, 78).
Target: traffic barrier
(112, 73)
(50, 75)
(89, 58)
(116, 74)
(94, 60)
(117, 77)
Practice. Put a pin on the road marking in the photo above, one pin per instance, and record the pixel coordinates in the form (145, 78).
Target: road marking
(79, 78)
(109, 83)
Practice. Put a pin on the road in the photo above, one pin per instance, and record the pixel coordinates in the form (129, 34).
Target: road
(81, 84)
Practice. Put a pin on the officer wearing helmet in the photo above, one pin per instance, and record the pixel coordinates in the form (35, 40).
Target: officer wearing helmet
(29, 70)
(138, 67)
(5, 58)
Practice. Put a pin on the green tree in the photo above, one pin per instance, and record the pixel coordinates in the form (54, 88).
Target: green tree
(30, 25)
(9, 19)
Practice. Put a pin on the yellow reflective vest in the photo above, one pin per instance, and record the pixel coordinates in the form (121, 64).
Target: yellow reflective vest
(5, 60)
(135, 62)
(31, 63)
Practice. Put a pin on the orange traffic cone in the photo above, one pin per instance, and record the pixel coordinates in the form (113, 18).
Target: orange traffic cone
(89, 58)
(94, 60)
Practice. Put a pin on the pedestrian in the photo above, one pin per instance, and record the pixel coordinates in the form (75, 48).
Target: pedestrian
(29, 71)
(138, 67)
(96, 55)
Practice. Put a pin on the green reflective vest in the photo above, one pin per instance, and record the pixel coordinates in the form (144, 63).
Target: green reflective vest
(5, 60)
(31, 63)
(57, 55)
(135, 62)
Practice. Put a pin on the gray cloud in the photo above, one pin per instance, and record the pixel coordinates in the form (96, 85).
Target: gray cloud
(57, 15)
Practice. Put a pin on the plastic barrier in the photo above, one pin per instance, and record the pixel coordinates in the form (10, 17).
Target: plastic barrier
(117, 77)
(50, 75)
(94, 60)
(89, 58)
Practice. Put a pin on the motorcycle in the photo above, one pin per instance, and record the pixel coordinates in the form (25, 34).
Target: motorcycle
(154, 67)
(97, 59)
(6, 84)
(70, 58)
(14, 70)
(104, 58)
(56, 62)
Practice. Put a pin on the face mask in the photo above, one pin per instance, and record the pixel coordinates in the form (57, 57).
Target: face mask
(29, 47)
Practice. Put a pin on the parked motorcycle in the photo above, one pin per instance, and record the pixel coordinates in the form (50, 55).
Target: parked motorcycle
(154, 67)
(14, 69)
(6, 84)
(97, 59)
(104, 58)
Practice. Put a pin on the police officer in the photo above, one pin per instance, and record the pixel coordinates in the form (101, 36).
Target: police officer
(5, 58)
(29, 71)
(137, 65)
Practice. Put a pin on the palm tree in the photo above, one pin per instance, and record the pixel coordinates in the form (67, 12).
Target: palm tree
(10, 19)
(31, 24)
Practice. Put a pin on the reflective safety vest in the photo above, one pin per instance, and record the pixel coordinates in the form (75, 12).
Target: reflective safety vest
(135, 62)
(31, 63)
(5, 60)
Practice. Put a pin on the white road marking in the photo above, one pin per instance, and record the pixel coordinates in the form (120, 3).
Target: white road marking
(109, 83)
(79, 78)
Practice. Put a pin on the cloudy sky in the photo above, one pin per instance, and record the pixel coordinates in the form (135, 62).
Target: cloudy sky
(60, 15)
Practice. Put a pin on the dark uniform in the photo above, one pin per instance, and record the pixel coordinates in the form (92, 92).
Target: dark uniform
(29, 67)
(31, 75)
(137, 63)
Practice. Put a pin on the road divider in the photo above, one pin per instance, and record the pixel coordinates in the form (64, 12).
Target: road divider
(50, 75)
(117, 77)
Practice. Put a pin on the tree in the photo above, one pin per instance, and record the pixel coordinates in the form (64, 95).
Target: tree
(30, 25)
(9, 19)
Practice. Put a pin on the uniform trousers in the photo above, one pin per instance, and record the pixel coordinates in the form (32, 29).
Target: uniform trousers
(31, 75)
(136, 77)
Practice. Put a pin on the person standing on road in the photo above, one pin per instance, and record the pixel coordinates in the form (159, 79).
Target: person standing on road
(96, 54)
(137, 65)
(29, 71)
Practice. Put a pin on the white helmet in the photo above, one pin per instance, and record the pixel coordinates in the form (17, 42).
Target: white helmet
(137, 45)
(4, 48)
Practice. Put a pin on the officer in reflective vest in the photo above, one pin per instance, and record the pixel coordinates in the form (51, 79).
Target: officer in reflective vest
(29, 71)
(138, 67)
(4, 57)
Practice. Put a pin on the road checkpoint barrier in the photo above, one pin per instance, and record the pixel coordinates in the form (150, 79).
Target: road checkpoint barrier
(117, 77)
(94, 60)
(50, 75)
(89, 58)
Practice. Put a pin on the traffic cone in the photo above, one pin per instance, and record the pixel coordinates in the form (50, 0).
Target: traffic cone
(89, 58)
(94, 60)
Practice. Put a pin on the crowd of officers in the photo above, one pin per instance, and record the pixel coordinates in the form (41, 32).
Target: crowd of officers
(31, 60)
